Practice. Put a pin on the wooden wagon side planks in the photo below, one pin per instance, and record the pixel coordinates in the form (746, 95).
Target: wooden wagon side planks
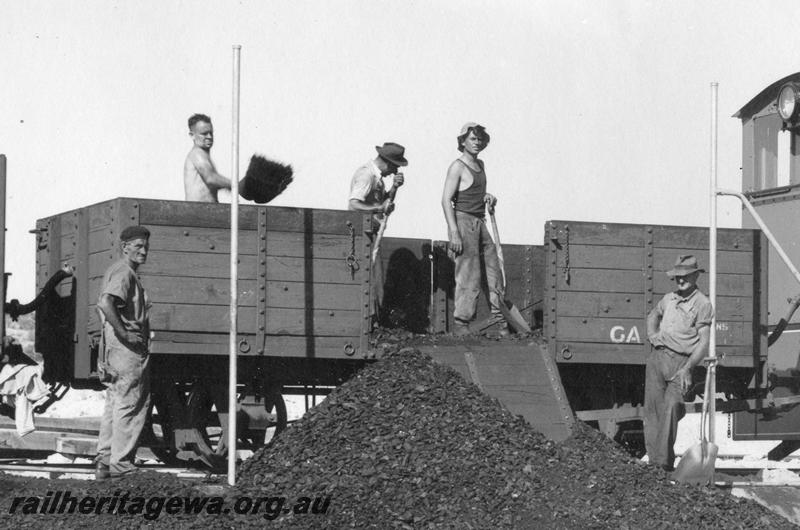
(298, 295)
(602, 279)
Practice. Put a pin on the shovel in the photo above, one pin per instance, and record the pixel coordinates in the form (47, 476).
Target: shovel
(508, 309)
(697, 464)
(379, 237)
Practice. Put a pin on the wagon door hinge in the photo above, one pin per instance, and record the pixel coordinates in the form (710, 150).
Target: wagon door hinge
(352, 260)
(566, 254)
(261, 280)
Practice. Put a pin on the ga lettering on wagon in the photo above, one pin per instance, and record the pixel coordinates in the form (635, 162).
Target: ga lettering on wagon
(621, 335)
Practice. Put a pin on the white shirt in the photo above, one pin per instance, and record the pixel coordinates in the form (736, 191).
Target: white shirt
(367, 184)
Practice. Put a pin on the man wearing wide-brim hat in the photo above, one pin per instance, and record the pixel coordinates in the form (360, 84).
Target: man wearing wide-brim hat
(678, 328)
(368, 193)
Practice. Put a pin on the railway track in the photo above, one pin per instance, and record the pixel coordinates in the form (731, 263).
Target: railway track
(85, 471)
(740, 472)
(729, 472)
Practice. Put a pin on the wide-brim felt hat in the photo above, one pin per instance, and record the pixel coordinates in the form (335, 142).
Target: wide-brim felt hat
(392, 152)
(684, 265)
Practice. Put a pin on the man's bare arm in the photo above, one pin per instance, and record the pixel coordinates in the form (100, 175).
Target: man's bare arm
(205, 168)
(450, 188)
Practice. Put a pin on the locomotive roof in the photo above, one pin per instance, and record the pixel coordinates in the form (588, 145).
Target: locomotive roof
(764, 97)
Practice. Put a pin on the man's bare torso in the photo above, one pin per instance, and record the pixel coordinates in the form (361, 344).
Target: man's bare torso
(195, 187)
(465, 176)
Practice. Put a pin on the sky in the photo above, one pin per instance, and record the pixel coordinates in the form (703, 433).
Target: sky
(598, 110)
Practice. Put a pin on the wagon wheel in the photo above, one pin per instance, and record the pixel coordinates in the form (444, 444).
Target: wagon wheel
(184, 432)
(207, 412)
(203, 414)
(205, 421)
(275, 404)
(260, 417)
(158, 433)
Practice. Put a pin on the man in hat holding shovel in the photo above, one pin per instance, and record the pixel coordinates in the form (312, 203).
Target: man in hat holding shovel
(679, 328)
(367, 190)
(464, 202)
(368, 194)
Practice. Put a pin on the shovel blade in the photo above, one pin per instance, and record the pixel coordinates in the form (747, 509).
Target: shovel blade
(697, 464)
(514, 317)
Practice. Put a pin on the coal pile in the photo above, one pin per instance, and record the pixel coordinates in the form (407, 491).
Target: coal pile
(407, 443)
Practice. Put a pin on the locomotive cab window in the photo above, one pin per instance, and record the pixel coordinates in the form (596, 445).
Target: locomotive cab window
(773, 152)
(783, 169)
(770, 129)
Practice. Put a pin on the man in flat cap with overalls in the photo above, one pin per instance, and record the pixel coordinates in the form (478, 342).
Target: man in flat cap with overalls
(368, 194)
(124, 308)
(679, 329)
(464, 202)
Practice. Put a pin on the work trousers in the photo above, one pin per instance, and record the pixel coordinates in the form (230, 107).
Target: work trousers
(663, 405)
(125, 412)
(478, 253)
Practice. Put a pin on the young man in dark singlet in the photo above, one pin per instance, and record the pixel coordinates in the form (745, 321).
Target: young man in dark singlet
(464, 202)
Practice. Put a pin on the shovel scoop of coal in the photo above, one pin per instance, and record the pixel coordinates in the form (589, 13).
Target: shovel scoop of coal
(264, 180)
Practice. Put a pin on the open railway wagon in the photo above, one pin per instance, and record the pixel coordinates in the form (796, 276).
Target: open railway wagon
(303, 321)
(601, 281)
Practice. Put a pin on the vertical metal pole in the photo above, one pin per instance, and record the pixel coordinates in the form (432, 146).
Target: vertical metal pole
(2, 249)
(712, 266)
(234, 271)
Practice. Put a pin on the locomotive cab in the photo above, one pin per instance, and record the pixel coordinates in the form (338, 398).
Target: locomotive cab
(771, 182)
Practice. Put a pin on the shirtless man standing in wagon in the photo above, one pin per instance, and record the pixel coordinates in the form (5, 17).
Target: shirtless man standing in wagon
(201, 181)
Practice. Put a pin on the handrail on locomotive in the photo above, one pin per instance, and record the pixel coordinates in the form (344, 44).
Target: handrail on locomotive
(764, 228)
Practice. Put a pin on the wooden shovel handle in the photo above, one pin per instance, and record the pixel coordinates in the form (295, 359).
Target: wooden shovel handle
(376, 247)
(499, 247)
